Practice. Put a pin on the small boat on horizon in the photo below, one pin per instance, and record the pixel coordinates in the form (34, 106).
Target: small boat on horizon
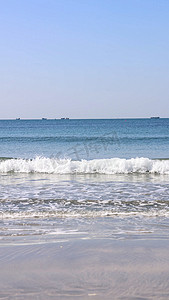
(18, 118)
(155, 118)
(44, 118)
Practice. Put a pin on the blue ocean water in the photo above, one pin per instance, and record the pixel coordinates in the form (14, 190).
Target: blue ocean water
(85, 139)
(96, 178)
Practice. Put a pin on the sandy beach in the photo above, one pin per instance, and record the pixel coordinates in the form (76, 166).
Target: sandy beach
(85, 269)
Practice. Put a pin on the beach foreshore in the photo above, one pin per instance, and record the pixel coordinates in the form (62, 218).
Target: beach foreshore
(85, 269)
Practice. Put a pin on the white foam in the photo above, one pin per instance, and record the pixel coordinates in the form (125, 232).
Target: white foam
(102, 166)
(78, 214)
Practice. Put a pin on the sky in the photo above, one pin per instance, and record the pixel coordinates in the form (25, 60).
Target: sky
(84, 58)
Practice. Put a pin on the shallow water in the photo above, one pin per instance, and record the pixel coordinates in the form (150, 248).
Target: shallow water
(48, 206)
(88, 179)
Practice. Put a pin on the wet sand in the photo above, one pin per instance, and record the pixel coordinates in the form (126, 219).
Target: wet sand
(85, 269)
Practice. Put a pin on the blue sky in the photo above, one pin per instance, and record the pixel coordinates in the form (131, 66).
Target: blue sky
(84, 58)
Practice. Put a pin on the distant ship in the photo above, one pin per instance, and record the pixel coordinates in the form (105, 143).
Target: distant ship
(44, 118)
(18, 118)
(64, 118)
(155, 118)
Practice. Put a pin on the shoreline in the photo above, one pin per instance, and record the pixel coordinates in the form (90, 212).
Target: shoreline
(85, 269)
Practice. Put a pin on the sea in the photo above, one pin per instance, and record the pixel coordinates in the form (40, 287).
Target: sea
(63, 179)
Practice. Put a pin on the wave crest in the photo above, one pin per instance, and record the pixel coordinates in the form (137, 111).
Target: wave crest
(101, 166)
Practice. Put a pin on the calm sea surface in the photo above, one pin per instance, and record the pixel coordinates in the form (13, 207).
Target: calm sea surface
(92, 178)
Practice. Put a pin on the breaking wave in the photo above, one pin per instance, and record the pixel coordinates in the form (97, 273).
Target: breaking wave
(101, 166)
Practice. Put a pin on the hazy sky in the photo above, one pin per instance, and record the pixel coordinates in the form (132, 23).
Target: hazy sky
(84, 58)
